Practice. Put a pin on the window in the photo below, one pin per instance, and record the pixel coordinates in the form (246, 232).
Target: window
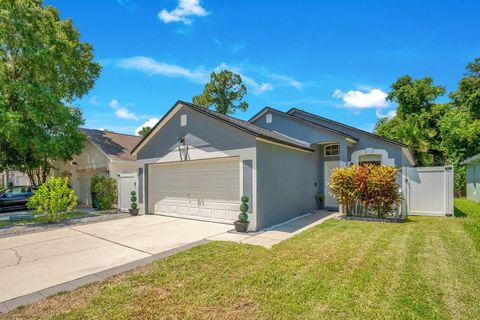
(269, 118)
(183, 120)
(12, 193)
(332, 150)
(375, 159)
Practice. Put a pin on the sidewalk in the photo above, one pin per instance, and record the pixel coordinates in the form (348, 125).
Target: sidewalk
(269, 237)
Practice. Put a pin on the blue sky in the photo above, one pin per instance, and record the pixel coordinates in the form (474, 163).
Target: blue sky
(333, 58)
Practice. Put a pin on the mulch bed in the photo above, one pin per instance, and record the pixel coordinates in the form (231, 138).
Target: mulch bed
(372, 219)
(22, 228)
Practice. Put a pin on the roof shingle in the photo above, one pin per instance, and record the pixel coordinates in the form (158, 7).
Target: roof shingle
(117, 146)
(252, 128)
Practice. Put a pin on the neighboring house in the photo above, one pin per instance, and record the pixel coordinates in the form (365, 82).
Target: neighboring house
(196, 163)
(15, 177)
(106, 153)
(473, 177)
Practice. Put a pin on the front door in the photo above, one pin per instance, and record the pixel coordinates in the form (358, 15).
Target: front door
(330, 201)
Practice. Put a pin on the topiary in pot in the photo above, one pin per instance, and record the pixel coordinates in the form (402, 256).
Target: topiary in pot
(134, 210)
(320, 200)
(241, 225)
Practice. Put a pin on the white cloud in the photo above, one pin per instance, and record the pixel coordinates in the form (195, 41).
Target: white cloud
(121, 111)
(236, 48)
(202, 75)
(94, 101)
(114, 104)
(183, 12)
(152, 67)
(257, 88)
(390, 114)
(286, 80)
(355, 99)
(150, 123)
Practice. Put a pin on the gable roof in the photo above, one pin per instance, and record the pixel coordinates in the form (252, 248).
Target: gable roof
(266, 109)
(293, 110)
(471, 159)
(116, 146)
(242, 125)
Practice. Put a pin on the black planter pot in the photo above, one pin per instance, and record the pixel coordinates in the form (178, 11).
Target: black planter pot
(241, 226)
(133, 212)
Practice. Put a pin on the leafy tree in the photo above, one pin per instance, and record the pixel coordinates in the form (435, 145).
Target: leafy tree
(145, 130)
(415, 121)
(467, 96)
(414, 95)
(437, 133)
(412, 131)
(460, 138)
(224, 92)
(43, 68)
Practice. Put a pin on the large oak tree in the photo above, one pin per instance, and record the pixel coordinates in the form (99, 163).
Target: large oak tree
(44, 68)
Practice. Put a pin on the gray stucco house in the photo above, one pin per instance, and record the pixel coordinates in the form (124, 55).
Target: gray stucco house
(197, 163)
(473, 177)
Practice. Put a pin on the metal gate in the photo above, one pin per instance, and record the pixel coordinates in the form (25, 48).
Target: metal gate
(126, 184)
(430, 191)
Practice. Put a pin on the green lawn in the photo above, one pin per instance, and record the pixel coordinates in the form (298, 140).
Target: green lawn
(426, 268)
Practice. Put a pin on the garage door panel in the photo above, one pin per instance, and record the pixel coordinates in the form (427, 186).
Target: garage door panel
(220, 214)
(208, 190)
(233, 215)
(207, 212)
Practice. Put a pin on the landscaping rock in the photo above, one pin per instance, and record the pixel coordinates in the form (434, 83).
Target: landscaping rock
(42, 226)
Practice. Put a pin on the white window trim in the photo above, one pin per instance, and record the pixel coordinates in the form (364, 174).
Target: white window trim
(268, 118)
(183, 120)
(331, 155)
(370, 158)
(386, 161)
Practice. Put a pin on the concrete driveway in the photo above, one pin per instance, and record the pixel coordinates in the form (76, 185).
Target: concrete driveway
(34, 262)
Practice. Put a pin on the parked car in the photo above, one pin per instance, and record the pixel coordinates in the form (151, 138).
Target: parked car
(15, 198)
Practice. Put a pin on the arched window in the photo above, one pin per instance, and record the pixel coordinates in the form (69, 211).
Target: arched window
(373, 156)
(375, 159)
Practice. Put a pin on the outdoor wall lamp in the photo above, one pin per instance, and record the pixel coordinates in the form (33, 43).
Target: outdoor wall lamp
(183, 148)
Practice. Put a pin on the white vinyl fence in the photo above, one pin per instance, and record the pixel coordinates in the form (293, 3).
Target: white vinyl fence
(429, 191)
(126, 184)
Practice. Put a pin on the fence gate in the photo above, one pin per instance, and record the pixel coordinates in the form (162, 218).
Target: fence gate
(126, 184)
(430, 191)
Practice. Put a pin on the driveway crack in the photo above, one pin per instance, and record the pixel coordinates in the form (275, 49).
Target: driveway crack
(111, 241)
(19, 257)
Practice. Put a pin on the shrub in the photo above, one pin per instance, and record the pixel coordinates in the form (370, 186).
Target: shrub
(96, 179)
(105, 190)
(243, 216)
(54, 199)
(361, 183)
(133, 199)
(383, 190)
(342, 187)
(373, 187)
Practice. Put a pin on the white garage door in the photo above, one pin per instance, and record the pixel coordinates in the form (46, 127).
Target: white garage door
(201, 189)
